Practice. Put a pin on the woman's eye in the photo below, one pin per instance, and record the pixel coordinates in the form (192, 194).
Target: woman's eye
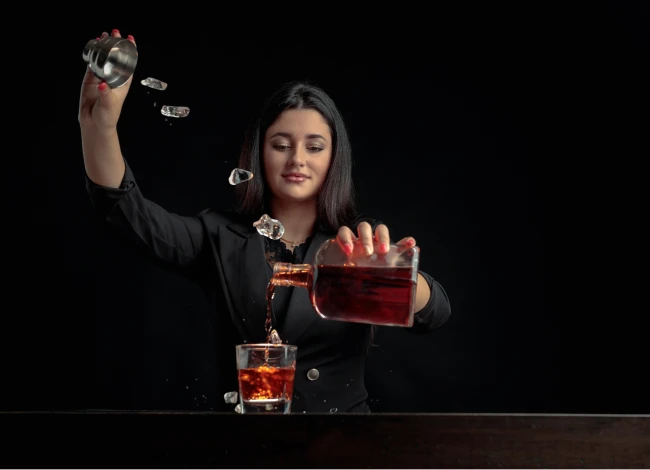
(315, 149)
(280, 147)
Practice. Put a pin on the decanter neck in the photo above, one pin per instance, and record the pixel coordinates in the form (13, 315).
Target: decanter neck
(288, 274)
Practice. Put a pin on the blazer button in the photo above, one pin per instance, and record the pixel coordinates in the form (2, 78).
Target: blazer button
(313, 374)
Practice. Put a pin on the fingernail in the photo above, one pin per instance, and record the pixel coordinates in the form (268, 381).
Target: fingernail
(384, 247)
(410, 242)
(115, 31)
(97, 39)
(367, 249)
(347, 247)
(101, 86)
(131, 37)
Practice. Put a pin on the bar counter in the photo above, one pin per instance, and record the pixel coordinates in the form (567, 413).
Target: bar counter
(132, 439)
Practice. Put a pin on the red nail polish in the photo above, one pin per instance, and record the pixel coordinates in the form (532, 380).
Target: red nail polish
(115, 31)
(131, 37)
(97, 39)
(384, 247)
(101, 86)
(347, 247)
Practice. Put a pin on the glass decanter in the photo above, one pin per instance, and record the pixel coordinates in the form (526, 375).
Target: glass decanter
(378, 289)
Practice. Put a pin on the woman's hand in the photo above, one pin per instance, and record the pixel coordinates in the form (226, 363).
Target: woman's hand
(99, 105)
(346, 238)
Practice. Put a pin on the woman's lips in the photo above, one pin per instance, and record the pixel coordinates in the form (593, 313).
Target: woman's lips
(294, 177)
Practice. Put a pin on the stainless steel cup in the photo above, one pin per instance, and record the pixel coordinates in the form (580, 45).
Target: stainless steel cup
(111, 59)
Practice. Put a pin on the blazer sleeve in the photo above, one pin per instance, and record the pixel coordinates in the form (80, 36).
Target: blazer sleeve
(437, 310)
(173, 239)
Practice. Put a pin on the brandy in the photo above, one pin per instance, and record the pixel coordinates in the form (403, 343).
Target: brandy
(378, 289)
(266, 375)
(266, 383)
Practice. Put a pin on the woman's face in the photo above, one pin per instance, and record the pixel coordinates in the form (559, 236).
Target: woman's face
(297, 154)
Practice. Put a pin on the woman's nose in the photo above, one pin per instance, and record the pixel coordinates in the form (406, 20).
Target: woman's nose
(297, 157)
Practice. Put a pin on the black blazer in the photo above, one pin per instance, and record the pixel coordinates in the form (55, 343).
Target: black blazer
(224, 254)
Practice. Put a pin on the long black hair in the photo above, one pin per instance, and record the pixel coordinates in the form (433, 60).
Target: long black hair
(336, 206)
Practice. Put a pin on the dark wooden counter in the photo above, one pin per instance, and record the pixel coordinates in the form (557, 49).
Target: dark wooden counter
(197, 440)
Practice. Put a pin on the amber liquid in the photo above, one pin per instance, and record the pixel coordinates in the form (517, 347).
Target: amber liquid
(266, 383)
(267, 387)
(270, 293)
(380, 296)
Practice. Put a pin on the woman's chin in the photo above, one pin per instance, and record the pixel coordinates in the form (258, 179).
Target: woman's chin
(296, 196)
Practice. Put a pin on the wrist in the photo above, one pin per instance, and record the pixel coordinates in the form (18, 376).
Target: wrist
(93, 130)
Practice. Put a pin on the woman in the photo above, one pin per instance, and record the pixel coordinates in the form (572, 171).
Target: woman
(300, 150)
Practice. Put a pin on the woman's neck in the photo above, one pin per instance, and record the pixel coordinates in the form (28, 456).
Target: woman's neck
(298, 218)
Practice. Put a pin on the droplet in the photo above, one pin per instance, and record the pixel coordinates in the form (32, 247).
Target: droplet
(333, 410)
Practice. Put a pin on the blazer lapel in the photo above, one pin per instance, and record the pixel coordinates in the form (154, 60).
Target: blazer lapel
(246, 275)
(301, 313)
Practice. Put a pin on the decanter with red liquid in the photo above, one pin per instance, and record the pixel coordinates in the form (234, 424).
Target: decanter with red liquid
(378, 289)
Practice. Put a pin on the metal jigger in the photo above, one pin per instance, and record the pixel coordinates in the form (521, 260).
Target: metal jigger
(111, 59)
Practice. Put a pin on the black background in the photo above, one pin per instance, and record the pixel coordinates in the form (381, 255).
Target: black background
(481, 135)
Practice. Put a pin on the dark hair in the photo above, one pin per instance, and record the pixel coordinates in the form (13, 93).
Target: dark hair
(335, 204)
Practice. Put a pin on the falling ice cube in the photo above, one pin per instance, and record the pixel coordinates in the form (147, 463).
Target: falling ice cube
(269, 227)
(275, 337)
(154, 83)
(239, 176)
(175, 111)
(238, 408)
(230, 397)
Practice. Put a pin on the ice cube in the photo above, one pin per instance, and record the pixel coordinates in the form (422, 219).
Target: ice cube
(269, 227)
(154, 83)
(275, 337)
(239, 176)
(175, 111)
(230, 397)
